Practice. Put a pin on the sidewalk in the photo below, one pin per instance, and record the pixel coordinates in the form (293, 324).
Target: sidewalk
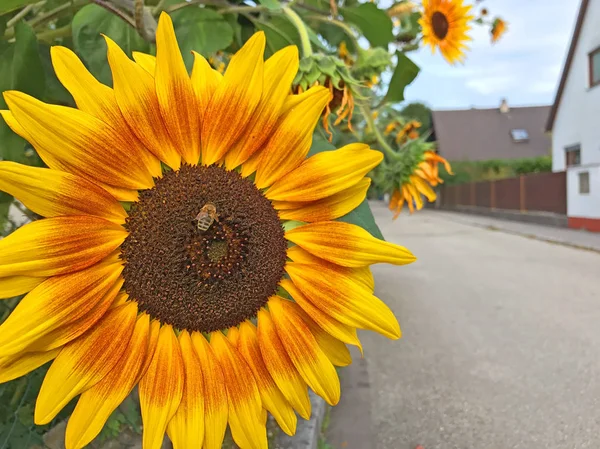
(563, 236)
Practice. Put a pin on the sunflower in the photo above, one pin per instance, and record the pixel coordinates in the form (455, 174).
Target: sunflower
(409, 131)
(445, 24)
(189, 247)
(499, 27)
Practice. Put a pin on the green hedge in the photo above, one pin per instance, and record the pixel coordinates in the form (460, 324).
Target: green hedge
(473, 171)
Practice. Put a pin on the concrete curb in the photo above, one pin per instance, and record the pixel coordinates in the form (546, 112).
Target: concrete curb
(307, 432)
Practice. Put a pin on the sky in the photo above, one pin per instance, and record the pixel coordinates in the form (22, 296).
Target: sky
(524, 66)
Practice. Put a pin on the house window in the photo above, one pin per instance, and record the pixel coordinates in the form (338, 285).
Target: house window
(519, 135)
(594, 62)
(584, 182)
(573, 154)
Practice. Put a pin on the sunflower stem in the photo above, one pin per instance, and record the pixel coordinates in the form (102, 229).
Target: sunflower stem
(366, 112)
(302, 30)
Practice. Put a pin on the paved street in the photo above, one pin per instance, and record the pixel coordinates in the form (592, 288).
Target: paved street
(500, 347)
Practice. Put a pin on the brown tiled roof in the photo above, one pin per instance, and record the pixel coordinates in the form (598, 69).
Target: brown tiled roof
(568, 62)
(482, 134)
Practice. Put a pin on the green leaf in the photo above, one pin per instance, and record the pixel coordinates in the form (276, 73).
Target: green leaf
(88, 23)
(11, 5)
(273, 5)
(363, 217)
(280, 33)
(404, 74)
(55, 91)
(201, 29)
(27, 70)
(372, 21)
(319, 144)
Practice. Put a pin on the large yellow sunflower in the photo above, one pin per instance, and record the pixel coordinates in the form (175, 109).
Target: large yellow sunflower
(189, 247)
(445, 24)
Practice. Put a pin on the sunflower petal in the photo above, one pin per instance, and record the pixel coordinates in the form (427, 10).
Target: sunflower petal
(85, 362)
(281, 368)
(145, 61)
(15, 366)
(291, 139)
(175, 93)
(326, 174)
(271, 397)
(161, 388)
(344, 299)
(232, 106)
(329, 208)
(58, 245)
(52, 193)
(245, 421)
(423, 188)
(17, 285)
(186, 428)
(347, 244)
(96, 404)
(136, 96)
(205, 81)
(215, 394)
(302, 348)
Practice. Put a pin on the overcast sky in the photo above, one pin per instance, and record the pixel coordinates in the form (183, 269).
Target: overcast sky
(524, 66)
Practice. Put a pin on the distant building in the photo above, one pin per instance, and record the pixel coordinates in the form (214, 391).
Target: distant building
(500, 133)
(575, 120)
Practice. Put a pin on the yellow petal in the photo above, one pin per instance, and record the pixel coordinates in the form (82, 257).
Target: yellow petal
(245, 421)
(302, 348)
(205, 81)
(423, 188)
(271, 397)
(17, 285)
(58, 301)
(416, 196)
(347, 244)
(186, 429)
(291, 139)
(344, 299)
(326, 174)
(329, 208)
(15, 366)
(78, 142)
(215, 394)
(175, 93)
(281, 368)
(96, 404)
(232, 106)
(85, 362)
(52, 193)
(161, 388)
(58, 245)
(136, 96)
(145, 61)
(280, 70)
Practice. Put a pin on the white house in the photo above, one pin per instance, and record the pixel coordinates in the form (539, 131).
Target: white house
(575, 120)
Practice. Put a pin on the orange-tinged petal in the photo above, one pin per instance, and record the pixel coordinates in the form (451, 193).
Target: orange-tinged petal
(291, 139)
(96, 404)
(175, 93)
(347, 244)
(17, 285)
(145, 61)
(344, 299)
(186, 428)
(329, 208)
(272, 398)
(423, 188)
(247, 428)
(281, 368)
(302, 348)
(205, 81)
(232, 106)
(326, 174)
(58, 245)
(15, 366)
(71, 140)
(52, 193)
(408, 198)
(136, 96)
(215, 394)
(280, 70)
(416, 196)
(58, 301)
(85, 362)
(161, 388)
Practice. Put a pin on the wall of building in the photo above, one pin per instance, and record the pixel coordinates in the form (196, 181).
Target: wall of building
(583, 205)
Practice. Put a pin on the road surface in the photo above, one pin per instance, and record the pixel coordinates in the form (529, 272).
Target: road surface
(500, 347)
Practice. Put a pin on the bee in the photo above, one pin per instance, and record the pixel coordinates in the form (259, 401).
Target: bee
(207, 216)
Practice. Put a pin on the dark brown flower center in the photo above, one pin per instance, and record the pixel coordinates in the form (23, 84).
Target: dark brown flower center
(440, 25)
(202, 271)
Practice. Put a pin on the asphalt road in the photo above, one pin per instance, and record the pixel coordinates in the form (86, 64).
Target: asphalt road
(500, 347)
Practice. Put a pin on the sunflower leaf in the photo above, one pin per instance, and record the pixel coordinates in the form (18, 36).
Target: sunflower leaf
(363, 217)
(27, 70)
(404, 74)
(11, 5)
(374, 23)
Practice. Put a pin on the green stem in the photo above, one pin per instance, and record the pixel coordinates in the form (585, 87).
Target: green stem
(302, 31)
(341, 25)
(366, 112)
(50, 35)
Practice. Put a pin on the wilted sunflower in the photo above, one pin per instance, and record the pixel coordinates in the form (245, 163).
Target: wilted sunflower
(445, 24)
(158, 251)
(409, 131)
(498, 29)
